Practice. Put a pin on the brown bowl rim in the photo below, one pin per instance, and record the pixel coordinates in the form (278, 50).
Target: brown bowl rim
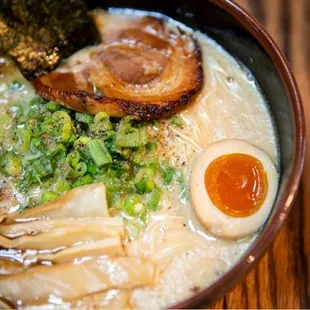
(286, 200)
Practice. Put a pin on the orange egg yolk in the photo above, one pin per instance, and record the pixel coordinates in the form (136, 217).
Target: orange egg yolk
(237, 184)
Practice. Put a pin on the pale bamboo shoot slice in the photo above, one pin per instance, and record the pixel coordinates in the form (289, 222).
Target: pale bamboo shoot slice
(82, 202)
(109, 246)
(71, 281)
(111, 225)
(8, 267)
(112, 299)
(58, 237)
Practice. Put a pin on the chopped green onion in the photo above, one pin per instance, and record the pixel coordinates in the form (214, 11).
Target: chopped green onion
(111, 172)
(36, 101)
(143, 216)
(81, 144)
(154, 199)
(144, 173)
(115, 170)
(125, 152)
(84, 118)
(65, 122)
(35, 147)
(167, 173)
(176, 121)
(101, 124)
(129, 136)
(34, 126)
(23, 141)
(137, 137)
(155, 123)
(138, 156)
(153, 166)
(151, 146)
(149, 186)
(138, 208)
(61, 147)
(141, 186)
(109, 134)
(179, 177)
(132, 205)
(72, 139)
(48, 146)
(63, 168)
(48, 196)
(66, 110)
(125, 125)
(145, 186)
(104, 119)
(42, 167)
(53, 106)
(11, 165)
(58, 126)
(86, 179)
(62, 186)
(79, 170)
(73, 158)
(98, 152)
(128, 204)
(39, 112)
(92, 168)
(109, 144)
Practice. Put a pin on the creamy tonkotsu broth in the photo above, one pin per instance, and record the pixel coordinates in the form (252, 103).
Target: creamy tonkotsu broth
(171, 255)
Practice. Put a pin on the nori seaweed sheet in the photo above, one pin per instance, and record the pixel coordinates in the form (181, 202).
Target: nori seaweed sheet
(38, 33)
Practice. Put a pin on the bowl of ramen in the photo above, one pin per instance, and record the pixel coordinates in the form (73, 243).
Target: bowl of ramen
(149, 151)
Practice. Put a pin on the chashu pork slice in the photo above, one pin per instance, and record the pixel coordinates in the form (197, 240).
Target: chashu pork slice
(143, 68)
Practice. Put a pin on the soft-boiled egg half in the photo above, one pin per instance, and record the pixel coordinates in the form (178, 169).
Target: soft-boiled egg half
(233, 187)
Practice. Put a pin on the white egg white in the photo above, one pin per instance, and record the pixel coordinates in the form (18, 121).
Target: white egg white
(214, 219)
